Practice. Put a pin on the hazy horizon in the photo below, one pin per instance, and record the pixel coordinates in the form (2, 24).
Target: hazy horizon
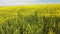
(27, 2)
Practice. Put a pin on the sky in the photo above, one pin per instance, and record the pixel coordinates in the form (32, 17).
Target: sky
(27, 2)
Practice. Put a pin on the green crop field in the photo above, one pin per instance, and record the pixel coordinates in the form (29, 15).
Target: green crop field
(35, 19)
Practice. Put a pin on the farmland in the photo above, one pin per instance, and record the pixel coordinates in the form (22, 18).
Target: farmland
(32, 19)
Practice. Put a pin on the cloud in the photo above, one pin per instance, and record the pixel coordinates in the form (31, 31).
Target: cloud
(16, 2)
(24, 2)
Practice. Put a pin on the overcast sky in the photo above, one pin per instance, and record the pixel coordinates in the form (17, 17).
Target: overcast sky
(25, 2)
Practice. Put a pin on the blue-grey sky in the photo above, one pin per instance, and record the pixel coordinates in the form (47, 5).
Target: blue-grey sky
(25, 2)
